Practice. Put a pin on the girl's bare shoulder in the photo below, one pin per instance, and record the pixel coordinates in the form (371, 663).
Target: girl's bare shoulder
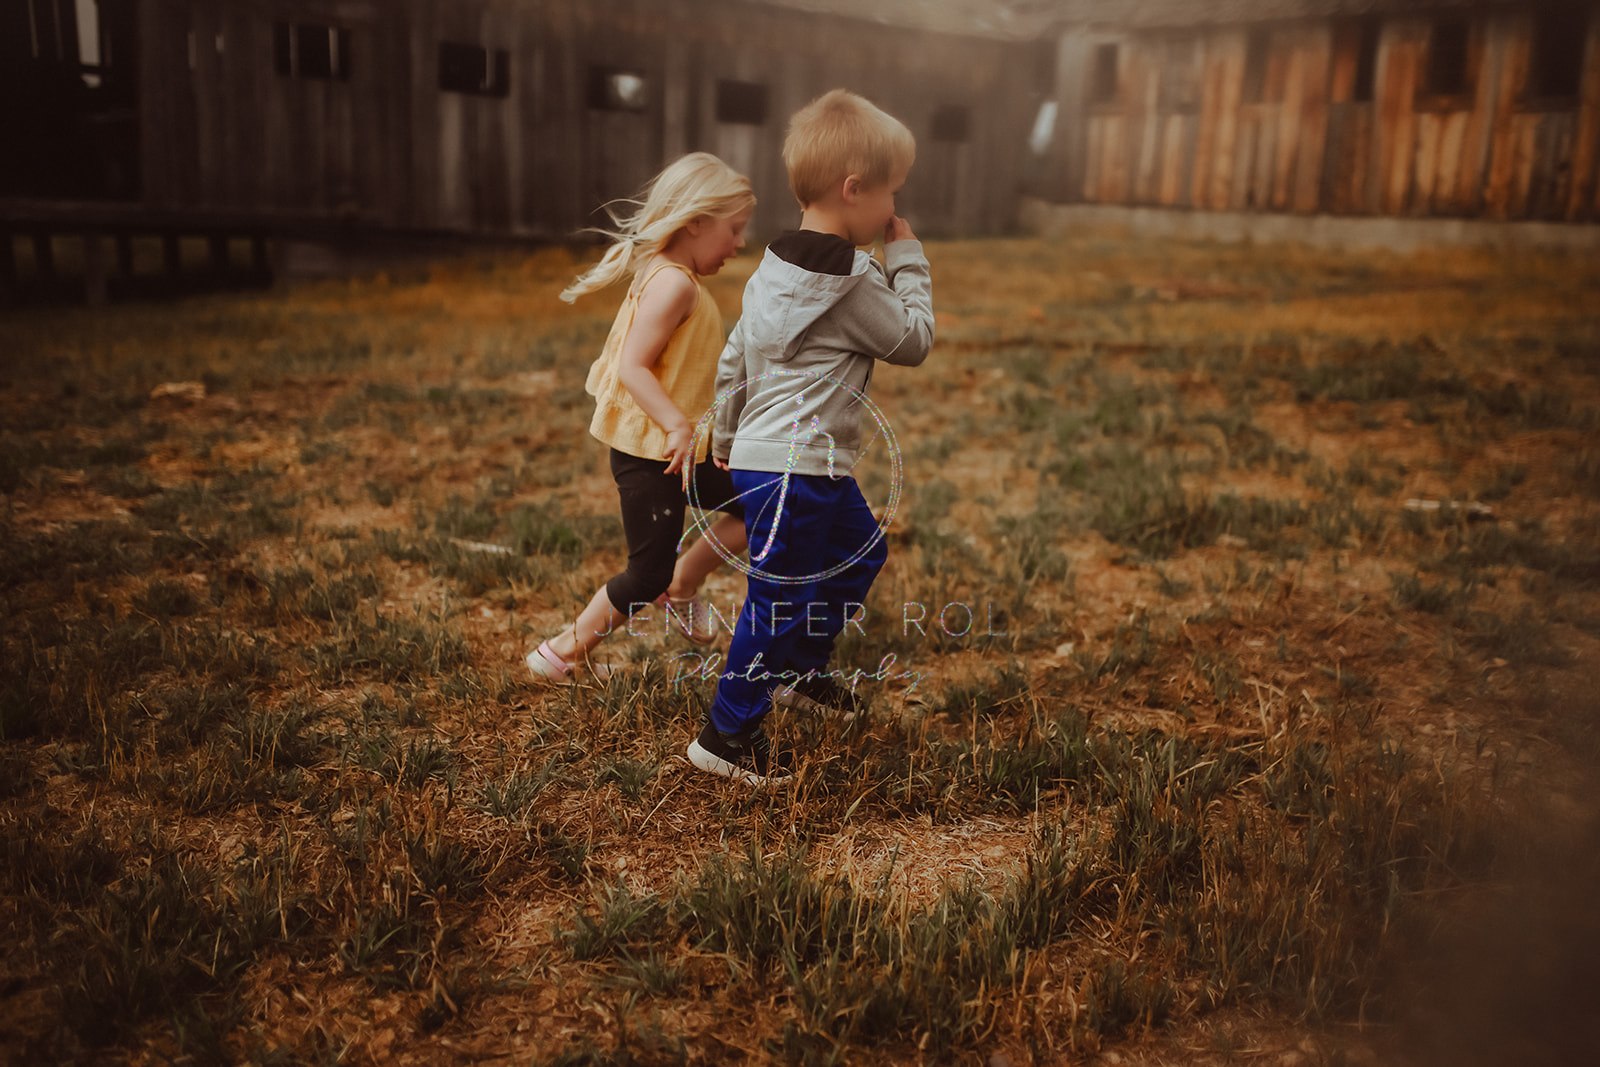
(668, 289)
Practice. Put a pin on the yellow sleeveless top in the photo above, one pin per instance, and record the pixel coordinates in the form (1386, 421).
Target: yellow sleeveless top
(686, 369)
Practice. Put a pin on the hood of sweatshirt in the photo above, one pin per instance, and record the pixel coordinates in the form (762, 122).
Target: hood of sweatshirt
(799, 327)
(782, 301)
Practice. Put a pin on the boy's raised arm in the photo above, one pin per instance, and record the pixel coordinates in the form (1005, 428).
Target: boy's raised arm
(895, 321)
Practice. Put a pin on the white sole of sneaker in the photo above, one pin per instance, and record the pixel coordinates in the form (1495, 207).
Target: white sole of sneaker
(709, 761)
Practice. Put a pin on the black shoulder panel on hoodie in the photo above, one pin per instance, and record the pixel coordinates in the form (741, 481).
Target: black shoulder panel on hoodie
(820, 253)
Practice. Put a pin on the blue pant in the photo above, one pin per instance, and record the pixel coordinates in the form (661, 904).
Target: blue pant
(801, 587)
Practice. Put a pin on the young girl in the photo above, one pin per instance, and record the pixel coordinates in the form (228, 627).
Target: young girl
(653, 380)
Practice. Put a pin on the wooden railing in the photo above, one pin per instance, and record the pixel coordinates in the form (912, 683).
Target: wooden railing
(104, 237)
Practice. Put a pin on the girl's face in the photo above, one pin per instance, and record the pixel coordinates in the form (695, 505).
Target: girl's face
(711, 242)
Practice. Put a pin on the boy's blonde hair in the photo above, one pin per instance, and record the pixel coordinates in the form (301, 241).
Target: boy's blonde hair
(839, 134)
(695, 186)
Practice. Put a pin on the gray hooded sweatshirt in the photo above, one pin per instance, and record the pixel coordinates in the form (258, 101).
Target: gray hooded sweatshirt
(790, 380)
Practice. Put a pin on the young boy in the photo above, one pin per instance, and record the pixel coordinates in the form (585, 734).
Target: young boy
(818, 313)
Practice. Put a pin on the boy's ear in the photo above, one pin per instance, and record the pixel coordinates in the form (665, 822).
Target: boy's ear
(851, 188)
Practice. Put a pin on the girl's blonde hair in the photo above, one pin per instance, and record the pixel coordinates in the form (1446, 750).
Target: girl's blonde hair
(695, 186)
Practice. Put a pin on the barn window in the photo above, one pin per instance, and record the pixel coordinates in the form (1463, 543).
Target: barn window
(1180, 84)
(1555, 70)
(1044, 128)
(44, 26)
(310, 50)
(89, 43)
(1103, 74)
(1257, 53)
(615, 89)
(952, 123)
(66, 32)
(744, 103)
(474, 69)
(52, 27)
(1447, 59)
(1366, 60)
(1045, 59)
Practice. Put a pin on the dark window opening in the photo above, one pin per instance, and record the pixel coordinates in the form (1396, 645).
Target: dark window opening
(1257, 52)
(474, 69)
(1180, 83)
(1447, 59)
(744, 103)
(307, 50)
(1103, 75)
(52, 31)
(1555, 69)
(69, 34)
(1366, 60)
(952, 123)
(72, 63)
(46, 26)
(614, 89)
(1045, 55)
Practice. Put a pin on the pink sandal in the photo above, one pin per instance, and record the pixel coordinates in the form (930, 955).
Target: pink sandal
(549, 667)
(692, 618)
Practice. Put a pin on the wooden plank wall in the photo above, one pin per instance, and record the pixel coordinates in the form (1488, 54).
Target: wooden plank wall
(168, 130)
(1304, 145)
(222, 129)
(388, 147)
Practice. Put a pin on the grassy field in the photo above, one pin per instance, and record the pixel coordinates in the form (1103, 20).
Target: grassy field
(1262, 746)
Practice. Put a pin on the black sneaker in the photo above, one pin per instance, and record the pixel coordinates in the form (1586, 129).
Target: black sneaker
(820, 695)
(747, 756)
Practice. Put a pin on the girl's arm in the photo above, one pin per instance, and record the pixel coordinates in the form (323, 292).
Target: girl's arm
(664, 304)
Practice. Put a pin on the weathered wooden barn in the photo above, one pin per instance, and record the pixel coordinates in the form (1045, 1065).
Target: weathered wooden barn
(475, 117)
(1355, 107)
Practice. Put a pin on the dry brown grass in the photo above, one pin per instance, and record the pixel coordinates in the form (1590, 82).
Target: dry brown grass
(1255, 741)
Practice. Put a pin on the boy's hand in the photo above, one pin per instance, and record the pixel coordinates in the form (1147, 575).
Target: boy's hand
(898, 229)
(722, 464)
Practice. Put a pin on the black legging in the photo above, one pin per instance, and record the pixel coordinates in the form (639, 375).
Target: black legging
(653, 505)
